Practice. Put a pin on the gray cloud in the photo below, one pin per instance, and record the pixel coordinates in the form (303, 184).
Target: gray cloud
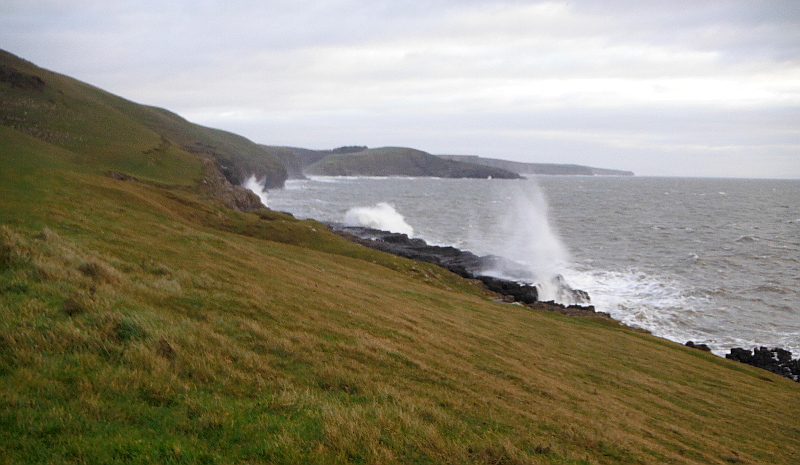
(711, 86)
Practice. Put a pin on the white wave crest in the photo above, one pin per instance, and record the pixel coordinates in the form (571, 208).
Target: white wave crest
(381, 216)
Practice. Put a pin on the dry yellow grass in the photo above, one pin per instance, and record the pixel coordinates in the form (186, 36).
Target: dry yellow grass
(141, 325)
(143, 322)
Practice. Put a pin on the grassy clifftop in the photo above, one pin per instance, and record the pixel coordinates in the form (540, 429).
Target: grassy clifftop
(107, 132)
(400, 161)
(142, 322)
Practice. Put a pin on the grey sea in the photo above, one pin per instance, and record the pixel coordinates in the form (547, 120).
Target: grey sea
(715, 261)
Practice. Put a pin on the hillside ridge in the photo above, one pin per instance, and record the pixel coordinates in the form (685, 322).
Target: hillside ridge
(117, 132)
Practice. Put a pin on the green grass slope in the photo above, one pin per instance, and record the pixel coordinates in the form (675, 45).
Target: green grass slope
(400, 161)
(143, 323)
(111, 133)
(309, 156)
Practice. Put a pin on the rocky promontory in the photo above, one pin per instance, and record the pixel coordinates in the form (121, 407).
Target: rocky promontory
(471, 266)
(401, 161)
(548, 169)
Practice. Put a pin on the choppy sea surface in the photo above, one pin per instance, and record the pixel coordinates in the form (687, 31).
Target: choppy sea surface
(715, 261)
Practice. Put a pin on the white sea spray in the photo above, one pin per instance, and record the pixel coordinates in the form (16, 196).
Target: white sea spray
(381, 216)
(252, 184)
(529, 240)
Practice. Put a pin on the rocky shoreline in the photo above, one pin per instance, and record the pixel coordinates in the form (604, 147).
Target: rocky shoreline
(776, 360)
(469, 265)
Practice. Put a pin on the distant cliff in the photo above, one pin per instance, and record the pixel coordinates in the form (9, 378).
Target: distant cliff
(401, 161)
(537, 168)
(310, 156)
(286, 155)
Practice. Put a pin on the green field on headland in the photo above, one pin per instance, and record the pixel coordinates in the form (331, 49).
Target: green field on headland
(402, 161)
(145, 318)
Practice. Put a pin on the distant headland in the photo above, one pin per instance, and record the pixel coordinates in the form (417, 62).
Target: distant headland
(538, 168)
(403, 161)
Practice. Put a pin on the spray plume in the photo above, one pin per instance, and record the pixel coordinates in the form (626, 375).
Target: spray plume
(537, 251)
(382, 216)
(253, 185)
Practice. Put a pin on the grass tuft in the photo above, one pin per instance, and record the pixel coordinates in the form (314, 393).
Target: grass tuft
(99, 271)
(11, 249)
(76, 305)
(332, 380)
(164, 349)
(47, 235)
(126, 329)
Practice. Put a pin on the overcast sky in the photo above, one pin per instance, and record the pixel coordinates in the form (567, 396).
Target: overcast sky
(688, 88)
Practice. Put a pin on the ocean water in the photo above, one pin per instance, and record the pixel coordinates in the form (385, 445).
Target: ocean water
(716, 261)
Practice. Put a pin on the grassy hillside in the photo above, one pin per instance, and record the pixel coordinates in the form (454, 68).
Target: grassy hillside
(141, 322)
(309, 156)
(111, 133)
(400, 161)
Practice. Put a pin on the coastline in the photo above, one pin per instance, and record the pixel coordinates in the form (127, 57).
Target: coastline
(469, 265)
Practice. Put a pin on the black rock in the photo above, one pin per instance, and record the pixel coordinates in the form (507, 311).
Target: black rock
(777, 360)
(524, 293)
(703, 347)
(464, 263)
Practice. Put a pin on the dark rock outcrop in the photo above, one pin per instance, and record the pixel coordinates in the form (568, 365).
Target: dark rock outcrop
(777, 360)
(21, 80)
(523, 293)
(463, 263)
(293, 163)
(215, 185)
(703, 347)
(467, 265)
(238, 165)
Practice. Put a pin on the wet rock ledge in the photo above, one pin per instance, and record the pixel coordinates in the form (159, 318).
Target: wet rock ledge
(468, 265)
(777, 360)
